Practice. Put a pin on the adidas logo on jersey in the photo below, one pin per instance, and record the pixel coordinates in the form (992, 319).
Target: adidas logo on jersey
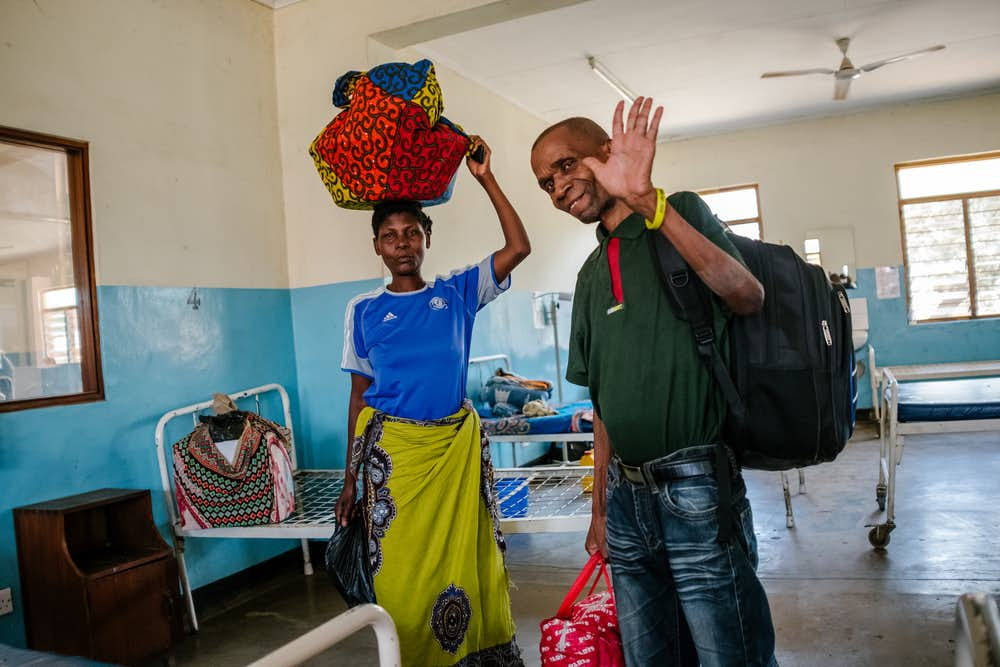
(388, 317)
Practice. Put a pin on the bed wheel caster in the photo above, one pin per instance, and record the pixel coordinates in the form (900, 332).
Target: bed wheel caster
(879, 536)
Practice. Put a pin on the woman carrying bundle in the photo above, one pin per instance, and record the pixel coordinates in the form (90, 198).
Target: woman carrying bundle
(435, 546)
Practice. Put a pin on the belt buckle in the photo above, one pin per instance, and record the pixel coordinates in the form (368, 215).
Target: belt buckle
(632, 473)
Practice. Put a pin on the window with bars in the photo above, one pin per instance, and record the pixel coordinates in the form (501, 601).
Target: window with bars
(738, 207)
(61, 326)
(949, 211)
(812, 251)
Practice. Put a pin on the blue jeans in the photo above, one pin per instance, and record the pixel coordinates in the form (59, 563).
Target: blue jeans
(683, 598)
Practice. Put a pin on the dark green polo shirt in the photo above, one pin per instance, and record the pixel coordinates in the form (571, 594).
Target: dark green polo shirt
(640, 362)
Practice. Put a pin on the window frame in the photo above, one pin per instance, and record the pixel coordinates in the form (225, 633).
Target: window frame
(962, 197)
(84, 277)
(745, 186)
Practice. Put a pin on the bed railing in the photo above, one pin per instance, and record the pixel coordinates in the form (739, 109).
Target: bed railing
(335, 630)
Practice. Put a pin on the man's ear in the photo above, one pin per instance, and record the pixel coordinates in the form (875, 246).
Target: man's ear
(428, 236)
(375, 245)
(605, 150)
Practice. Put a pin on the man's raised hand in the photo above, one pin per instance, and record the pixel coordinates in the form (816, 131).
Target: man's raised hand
(626, 174)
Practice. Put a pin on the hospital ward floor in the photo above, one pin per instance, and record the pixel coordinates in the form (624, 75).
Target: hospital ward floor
(835, 600)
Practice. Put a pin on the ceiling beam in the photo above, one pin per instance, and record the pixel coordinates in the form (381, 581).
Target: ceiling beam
(465, 20)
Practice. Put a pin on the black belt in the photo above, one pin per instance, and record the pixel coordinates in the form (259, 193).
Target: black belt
(636, 474)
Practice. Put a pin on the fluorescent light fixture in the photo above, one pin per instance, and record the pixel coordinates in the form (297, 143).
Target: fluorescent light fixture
(609, 78)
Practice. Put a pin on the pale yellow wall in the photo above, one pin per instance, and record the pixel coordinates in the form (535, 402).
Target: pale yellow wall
(466, 228)
(834, 172)
(317, 42)
(177, 100)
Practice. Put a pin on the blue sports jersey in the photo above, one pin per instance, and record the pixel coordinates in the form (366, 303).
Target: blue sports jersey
(414, 346)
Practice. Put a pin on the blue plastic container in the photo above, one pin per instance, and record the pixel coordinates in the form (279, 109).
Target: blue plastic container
(513, 495)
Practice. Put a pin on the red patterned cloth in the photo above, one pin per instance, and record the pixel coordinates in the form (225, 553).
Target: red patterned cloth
(584, 633)
(256, 487)
(390, 142)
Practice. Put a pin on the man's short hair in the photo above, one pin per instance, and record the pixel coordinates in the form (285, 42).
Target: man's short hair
(384, 209)
(577, 125)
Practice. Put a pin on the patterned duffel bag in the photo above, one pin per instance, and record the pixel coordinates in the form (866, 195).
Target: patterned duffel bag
(390, 142)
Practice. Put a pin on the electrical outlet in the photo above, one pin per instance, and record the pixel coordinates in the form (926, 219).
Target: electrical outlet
(6, 601)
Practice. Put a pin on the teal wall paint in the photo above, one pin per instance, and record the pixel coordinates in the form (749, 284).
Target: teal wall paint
(158, 354)
(899, 342)
(324, 389)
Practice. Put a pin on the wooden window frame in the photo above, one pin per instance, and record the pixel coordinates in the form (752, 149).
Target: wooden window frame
(729, 188)
(964, 198)
(81, 231)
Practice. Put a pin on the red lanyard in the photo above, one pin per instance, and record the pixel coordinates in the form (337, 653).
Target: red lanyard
(614, 263)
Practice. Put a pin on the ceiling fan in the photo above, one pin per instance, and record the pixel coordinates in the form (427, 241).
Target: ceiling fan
(847, 71)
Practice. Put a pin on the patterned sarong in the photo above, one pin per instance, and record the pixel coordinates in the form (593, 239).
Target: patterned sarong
(435, 544)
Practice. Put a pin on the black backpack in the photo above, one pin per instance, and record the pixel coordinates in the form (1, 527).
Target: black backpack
(790, 383)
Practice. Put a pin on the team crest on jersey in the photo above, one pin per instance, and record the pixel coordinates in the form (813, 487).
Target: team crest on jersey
(437, 303)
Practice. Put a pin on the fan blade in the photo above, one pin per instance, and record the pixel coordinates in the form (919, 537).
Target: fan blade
(840, 89)
(906, 56)
(798, 72)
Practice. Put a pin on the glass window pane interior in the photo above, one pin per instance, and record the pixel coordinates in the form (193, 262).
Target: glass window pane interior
(951, 178)
(39, 321)
(751, 230)
(740, 204)
(984, 225)
(937, 263)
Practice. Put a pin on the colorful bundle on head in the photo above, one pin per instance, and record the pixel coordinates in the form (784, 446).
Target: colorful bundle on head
(390, 142)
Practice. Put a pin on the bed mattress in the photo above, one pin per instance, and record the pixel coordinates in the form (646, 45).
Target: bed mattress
(949, 400)
(569, 418)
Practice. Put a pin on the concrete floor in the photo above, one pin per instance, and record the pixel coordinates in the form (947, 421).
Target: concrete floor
(835, 600)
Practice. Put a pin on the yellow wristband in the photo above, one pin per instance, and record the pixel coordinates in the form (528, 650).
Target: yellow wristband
(661, 210)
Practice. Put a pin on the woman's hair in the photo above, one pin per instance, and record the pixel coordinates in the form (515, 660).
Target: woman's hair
(384, 209)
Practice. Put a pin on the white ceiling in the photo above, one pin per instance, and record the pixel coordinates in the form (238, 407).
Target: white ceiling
(703, 59)
(276, 4)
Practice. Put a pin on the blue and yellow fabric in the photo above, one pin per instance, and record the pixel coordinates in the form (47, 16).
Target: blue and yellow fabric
(390, 142)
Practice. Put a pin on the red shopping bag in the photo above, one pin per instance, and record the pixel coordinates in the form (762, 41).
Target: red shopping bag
(584, 633)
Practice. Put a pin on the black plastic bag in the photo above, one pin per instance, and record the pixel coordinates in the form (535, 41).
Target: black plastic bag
(347, 562)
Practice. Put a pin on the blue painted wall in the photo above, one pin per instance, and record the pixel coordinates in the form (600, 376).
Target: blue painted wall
(898, 342)
(158, 354)
(324, 389)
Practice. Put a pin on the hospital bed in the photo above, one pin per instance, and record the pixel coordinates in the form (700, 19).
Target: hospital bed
(562, 428)
(544, 499)
(925, 399)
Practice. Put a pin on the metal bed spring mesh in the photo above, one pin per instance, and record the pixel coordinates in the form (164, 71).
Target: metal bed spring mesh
(552, 494)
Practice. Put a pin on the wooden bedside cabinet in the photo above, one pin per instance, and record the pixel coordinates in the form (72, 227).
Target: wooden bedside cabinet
(97, 579)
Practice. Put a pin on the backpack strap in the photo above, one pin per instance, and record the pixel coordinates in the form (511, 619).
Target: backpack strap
(691, 301)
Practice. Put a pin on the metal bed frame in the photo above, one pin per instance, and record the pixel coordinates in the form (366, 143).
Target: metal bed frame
(562, 439)
(977, 631)
(546, 499)
(565, 438)
(333, 631)
(892, 432)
